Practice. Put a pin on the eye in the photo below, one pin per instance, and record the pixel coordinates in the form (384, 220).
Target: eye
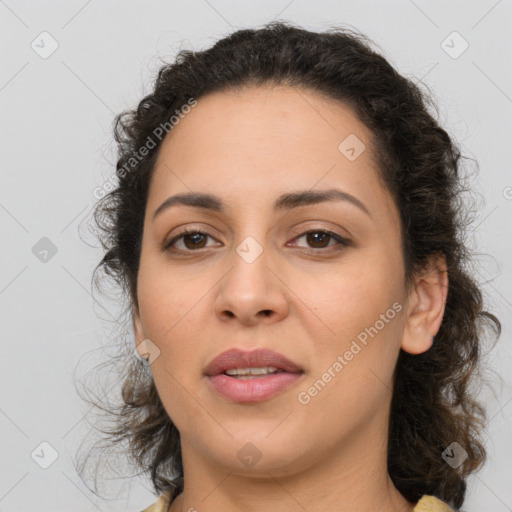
(319, 237)
(194, 239)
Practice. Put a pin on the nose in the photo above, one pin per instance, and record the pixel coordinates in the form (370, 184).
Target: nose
(251, 290)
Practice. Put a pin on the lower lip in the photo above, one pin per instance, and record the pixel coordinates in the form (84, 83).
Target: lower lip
(252, 390)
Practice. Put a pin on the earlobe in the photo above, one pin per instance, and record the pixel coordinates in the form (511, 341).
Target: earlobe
(427, 303)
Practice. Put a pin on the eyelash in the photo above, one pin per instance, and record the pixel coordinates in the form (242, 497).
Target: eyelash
(342, 242)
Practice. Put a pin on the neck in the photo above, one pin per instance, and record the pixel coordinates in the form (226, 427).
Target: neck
(351, 478)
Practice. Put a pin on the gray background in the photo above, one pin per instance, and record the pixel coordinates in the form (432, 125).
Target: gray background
(56, 116)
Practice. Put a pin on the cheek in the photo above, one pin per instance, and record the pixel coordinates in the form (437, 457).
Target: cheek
(168, 319)
(361, 323)
(164, 298)
(350, 298)
(353, 369)
(172, 309)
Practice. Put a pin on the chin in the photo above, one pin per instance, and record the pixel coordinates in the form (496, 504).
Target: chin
(257, 454)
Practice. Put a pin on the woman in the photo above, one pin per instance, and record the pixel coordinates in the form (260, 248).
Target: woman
(288, 230)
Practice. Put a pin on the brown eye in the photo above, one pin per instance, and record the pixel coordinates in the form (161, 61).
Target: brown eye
(319, 239)
(196, 240)
(192, 240)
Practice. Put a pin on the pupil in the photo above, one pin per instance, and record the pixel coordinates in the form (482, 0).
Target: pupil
(317, 234)
(193, 236)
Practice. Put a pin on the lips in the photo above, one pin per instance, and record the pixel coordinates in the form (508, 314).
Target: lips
(256, 389)
(235, 358)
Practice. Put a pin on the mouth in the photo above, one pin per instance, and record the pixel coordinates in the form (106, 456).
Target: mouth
(252, 373)
(254, 376)
(256, 362)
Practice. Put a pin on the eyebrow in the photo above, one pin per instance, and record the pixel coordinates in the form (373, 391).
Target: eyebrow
(284, 202)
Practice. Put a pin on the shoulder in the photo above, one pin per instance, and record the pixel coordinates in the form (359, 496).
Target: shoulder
(426, 504)
(431, 504)
(159, 506)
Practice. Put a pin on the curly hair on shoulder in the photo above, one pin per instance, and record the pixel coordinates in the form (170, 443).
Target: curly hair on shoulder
(419, 164)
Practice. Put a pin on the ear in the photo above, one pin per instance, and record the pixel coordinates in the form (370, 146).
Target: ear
(138, 330)
(426, 305)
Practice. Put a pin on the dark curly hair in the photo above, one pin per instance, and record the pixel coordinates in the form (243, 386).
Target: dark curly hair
(419, 164)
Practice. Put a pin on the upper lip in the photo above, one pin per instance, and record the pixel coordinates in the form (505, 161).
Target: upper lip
(236, 358)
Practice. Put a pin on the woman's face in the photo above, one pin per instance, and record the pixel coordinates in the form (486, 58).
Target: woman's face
(256, 280)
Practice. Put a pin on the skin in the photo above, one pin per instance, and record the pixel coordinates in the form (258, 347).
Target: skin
(248, 147)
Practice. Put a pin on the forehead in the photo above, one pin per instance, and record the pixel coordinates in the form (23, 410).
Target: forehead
(256, 142)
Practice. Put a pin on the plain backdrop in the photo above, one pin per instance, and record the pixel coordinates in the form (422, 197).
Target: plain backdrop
(66, 69)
